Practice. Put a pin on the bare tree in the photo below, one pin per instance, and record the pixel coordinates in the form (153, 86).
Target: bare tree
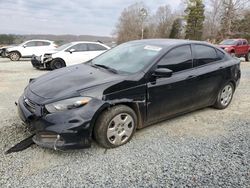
(212, 21)
(130, 23)
(231, 11)
(164, 20)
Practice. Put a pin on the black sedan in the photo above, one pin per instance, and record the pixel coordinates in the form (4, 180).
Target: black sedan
(133, 85)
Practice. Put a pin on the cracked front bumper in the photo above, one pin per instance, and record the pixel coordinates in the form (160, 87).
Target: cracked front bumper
(61, 131)
(37, 62)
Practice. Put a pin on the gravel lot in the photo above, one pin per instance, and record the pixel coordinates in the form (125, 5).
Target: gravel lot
(206, 148)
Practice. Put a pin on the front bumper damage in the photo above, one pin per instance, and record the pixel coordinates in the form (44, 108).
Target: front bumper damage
(70, 129)
(36, 62)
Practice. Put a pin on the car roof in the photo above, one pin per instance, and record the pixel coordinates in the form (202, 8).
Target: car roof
(77, 42)
(39, 40)
(167, 43)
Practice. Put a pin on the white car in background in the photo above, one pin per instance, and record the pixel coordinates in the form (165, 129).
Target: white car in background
(69, 54)
(29, 48)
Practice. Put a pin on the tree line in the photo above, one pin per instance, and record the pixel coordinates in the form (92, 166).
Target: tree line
(195, 20)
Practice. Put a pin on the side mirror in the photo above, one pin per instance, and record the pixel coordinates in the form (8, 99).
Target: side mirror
(24, 45)
(72, 50)
(163, 73)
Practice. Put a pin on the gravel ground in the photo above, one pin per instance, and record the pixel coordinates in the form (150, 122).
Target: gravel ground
(206, 148)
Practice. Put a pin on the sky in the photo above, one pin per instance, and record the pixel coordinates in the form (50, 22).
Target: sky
(78, 17)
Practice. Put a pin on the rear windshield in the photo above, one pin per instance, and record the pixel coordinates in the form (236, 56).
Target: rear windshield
(229, 42)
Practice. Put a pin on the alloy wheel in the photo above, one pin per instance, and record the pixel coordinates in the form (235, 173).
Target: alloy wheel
(120, 129)
(226, 95)
(14, 56)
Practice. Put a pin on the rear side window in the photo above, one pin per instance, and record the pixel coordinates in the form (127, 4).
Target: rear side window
(96, 47)
(45, 43)
(239, 43)
(220, 54)
(177, 59)
(42, 43)
(204, 55)
(244, 42)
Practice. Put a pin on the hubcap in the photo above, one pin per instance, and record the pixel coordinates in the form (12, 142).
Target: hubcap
(58, 65)
(14, 56)
(120, 129)
(226, 95)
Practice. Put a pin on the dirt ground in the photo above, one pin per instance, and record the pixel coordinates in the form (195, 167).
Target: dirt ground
(207, 131)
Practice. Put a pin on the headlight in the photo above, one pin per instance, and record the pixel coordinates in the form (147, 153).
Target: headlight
(226, 49)
(67, 104)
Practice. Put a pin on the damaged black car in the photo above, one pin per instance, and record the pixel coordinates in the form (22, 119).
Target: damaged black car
(133, 85)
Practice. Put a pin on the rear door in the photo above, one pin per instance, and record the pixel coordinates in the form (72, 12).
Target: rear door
(244, 47)
(41, 47)
(209, 69)
(239, 48)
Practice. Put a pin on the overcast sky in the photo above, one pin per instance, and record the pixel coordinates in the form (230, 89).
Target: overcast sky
(87, 17)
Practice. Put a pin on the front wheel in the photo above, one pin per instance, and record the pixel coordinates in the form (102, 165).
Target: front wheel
(57, 64)
(225, 96)
(115, 126)
(247, 57)
(14, 56)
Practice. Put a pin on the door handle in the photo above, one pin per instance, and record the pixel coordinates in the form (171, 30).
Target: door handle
(190, 77)
(221, 67)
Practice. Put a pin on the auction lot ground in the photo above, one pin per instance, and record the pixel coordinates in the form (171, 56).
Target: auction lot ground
(204, 148)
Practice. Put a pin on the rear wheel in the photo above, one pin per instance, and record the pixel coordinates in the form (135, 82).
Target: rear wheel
(233, 54)
(247, 57)
(15, 56)
(225, 96)
(115, 126)
(57, 64)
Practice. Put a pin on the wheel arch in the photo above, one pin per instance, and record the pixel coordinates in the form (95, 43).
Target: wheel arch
(16, 52)
(59, 58)
(133, 105)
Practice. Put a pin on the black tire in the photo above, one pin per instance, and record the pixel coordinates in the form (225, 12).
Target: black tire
(233, 54)
(14, 56)
(222, 103)
(247, 57)
(57, 64)
(106, 123)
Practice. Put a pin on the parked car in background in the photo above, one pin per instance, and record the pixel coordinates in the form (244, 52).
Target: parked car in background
(3, 50)
(69, 54)
(236, 48)
(129, 87)
(29, 48)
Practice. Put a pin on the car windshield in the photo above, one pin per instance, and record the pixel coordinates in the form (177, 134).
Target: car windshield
(128, 58)
(63, 46)
(229, 42)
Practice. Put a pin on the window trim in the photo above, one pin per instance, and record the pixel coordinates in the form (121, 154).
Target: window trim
(156, 64)
(95, 44)
(68, 49)
(194, 52)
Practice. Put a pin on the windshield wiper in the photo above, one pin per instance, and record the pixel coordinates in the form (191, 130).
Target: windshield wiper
(106, 67)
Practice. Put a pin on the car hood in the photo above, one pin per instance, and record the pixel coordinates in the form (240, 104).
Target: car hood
(70, 81)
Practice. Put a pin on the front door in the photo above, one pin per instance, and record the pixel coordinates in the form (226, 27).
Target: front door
(79, 55)
(170, 96)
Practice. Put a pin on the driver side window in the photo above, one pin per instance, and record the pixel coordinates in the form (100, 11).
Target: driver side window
(79, 47)
(178, 59)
